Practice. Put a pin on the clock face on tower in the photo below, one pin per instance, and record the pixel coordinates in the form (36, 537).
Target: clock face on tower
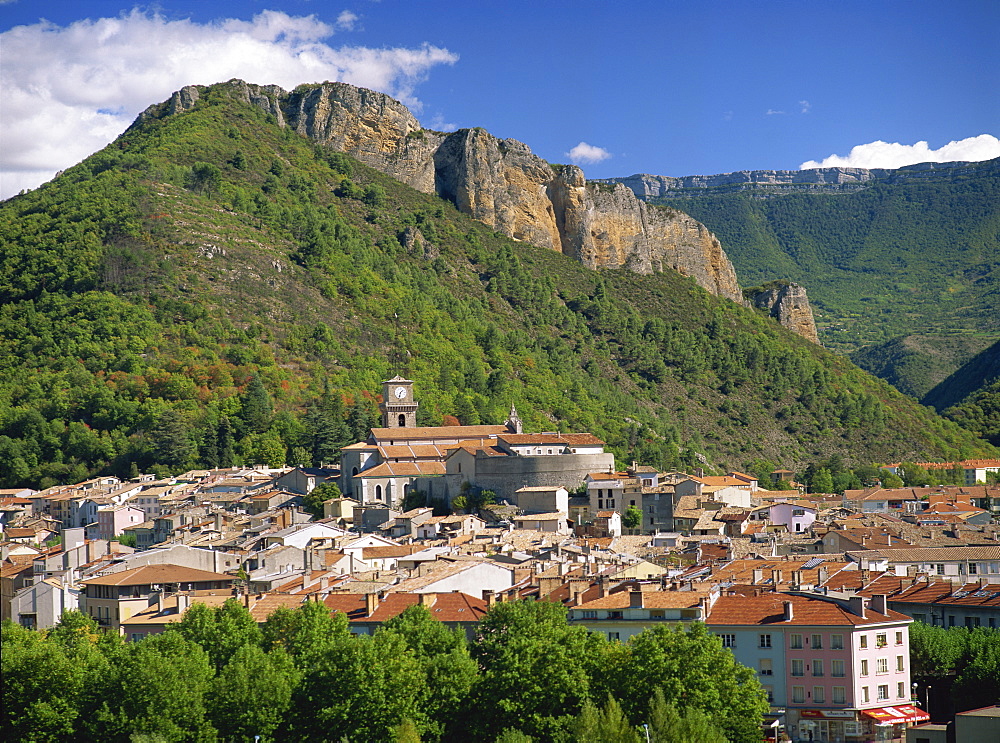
(400, 393)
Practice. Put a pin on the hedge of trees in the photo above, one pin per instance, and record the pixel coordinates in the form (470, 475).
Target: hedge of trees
(301, 676)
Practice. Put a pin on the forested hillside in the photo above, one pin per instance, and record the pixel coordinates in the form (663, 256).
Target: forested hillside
(915, 255)
(213, 288)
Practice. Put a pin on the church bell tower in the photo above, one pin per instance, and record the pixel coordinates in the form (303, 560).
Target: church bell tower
(399, 409)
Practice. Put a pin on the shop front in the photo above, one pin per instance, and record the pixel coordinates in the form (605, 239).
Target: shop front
(889, 723)
(829, 726)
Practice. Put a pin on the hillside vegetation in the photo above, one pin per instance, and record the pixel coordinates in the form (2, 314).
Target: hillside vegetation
(912, 256)
(212, 288)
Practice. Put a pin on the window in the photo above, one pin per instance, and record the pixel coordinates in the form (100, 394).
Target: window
(839, 695)
(900, 690)
(864, 666)
(589, 614)
(615, 615)
(883, 692)
(880, 640)
(766, 667)
(613, 636)
(770, 694)
(798, 512)
(899, 638)
(837, 668)
(728, 641)
(798, 694)
(819, 695)
(817, 642)
(864, 695)
(973, 568)
(765, 641)
(798, 668)
(817, 667)
(899, 663)
(837, 642)
(864, 641)
(882, 665)
(940, 569)
(972, 621)
(796, 641)
(651, 509)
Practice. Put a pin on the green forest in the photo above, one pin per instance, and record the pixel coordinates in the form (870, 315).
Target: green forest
(893, 259)
(301, 676)
(212, 289)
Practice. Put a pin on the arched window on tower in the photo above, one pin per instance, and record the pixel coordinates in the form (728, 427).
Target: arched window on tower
(378, 492)
(402, 420)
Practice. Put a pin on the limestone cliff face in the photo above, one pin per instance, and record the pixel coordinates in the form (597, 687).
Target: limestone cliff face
(500, 182)
(788, 304)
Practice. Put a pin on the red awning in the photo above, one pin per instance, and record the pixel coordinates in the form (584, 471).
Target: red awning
(897, 714)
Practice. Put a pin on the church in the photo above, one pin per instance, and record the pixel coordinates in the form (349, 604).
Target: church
(437, 460)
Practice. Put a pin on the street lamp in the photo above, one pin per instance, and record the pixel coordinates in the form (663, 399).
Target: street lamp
(645, 727)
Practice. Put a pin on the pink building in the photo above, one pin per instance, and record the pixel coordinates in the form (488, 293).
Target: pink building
(113, 520)
(837, 666)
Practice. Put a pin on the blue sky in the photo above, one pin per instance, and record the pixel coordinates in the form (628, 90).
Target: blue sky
(670, 87)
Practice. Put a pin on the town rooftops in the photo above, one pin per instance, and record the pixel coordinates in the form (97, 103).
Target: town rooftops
(446, 607)
(150, 574)
(403, 469)
(650, 600)
(930, 554)
(945, 593)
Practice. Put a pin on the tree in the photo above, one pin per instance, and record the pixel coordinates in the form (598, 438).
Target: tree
(154, 687)
(252, 694)
(307, 632)
(313, 501)
(694, 671)
(536, 669)
(205, 177)
(448, 668)
(41, 686)
(257, 408)
(822, 481)
(219, 631)
(668, 725)
(607, 724)
(632, 518)
(170, 440)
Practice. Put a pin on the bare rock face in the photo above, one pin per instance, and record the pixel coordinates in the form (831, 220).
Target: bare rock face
(500, 182)
(788, 304)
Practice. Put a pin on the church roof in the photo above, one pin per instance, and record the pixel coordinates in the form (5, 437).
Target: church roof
(403, 469)
(568, 439)
(436, 433)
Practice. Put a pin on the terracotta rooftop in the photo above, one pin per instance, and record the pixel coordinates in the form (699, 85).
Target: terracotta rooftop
(437, 433)
(945, 593)
(446, 607)
(768, 609)
(150, 574)
(650, 600)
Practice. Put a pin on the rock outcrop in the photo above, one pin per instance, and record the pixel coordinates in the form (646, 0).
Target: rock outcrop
(499, 182)
(788, 304)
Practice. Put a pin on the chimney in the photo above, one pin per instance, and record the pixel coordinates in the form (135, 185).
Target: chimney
(183, 602)
(635, 600)
(789, 611)
(821, 575)
(490, 597)
(879, 603)
(427, 599)
(602, 587)
(796, 578)
(775, 577)
(857, 605)
(371, 603)
(758, 576)
(888, 540)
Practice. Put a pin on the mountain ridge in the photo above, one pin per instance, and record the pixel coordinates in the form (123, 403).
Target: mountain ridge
(813, 180)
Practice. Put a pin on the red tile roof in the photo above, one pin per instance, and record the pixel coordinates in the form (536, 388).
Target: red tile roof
(768, 609)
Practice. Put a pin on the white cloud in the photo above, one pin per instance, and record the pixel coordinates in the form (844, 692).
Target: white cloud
(805, 106)
(772, 112)
(586, 154)
(69, 90)
(894, 155)
(346, 20)
(438, 124)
